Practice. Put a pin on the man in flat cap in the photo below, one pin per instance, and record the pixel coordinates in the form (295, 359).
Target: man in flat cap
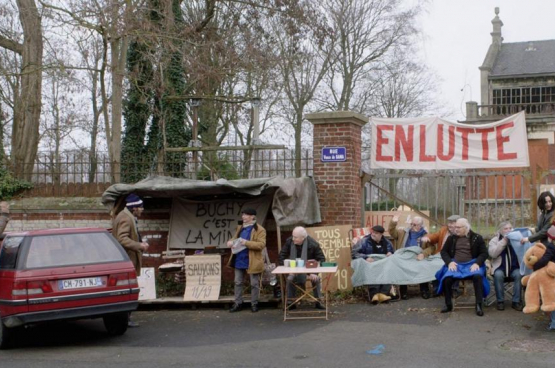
(374, 243)
(246, 258)
(125, 229)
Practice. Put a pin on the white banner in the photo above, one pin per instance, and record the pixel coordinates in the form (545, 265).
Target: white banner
(196, 224)
(437, 144)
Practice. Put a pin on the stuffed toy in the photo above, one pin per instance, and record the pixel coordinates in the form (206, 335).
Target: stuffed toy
(540, 283)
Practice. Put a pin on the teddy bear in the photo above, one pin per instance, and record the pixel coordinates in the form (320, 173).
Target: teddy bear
(540, 282)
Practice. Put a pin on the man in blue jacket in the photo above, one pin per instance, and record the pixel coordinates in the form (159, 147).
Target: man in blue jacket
(374, 243)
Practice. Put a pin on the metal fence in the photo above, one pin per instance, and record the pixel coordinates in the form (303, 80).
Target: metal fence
(76, 173)
(484, 197)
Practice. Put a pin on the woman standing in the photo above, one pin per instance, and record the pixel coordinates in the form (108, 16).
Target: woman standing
(546, 203)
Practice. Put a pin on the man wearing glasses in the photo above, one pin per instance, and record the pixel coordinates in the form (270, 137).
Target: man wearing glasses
(464, 254)
(409, 237)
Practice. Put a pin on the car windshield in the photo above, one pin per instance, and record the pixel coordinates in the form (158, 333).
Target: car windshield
(72, 249)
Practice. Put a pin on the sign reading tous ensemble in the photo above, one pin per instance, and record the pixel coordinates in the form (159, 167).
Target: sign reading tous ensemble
(437, 144)
(336, 245)
(203, 275)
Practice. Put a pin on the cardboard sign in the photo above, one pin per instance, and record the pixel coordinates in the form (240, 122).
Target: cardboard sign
(147, 284)
(203, 274)
(197, 224)
(336, 245)
(372, 218)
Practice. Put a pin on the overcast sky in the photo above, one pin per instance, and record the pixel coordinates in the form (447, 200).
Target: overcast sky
(457, 36)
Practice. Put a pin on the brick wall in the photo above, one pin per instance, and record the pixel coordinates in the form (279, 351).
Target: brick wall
(338, 183)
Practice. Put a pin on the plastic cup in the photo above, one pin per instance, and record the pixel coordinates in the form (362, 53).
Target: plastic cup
(287, 263)
(300, 263)
(293, 263)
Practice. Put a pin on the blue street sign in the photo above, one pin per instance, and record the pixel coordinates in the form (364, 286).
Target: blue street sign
(334, 154)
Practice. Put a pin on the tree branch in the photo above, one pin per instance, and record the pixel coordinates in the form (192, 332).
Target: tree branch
(11, 45)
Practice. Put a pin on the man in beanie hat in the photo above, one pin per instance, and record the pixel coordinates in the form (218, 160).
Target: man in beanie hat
(374, 243)
(125, 230)
(252, 238)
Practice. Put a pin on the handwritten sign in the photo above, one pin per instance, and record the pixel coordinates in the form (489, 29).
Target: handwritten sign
(203, 275)
(147, 284)
(197, 224)
(383, 218)
(335, 242)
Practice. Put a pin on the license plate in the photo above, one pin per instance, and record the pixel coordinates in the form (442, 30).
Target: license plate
(88, 282)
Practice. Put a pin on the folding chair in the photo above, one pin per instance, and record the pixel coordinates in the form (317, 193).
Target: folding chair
(508, 290)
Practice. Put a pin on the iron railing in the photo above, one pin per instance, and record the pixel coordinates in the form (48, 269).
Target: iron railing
(77, 173)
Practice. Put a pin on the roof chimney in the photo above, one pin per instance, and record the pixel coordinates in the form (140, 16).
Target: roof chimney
(497, 24)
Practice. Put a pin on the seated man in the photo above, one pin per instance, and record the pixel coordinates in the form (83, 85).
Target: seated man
(300, 245)
(464, 254)
(409, 237)
(374, 243)
(505, 264)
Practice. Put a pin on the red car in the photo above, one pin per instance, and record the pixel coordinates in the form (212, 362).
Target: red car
(63, 274)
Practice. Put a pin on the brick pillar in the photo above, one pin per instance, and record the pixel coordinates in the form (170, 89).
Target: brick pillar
(338, 183)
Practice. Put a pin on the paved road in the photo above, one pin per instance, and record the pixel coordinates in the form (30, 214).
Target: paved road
(413, 333)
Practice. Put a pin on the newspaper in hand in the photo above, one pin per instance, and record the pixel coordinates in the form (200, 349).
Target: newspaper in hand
(237, 246)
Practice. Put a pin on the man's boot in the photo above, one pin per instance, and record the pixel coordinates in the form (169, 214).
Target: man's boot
(479, 310)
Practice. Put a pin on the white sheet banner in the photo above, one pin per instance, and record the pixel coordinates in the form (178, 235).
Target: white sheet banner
(437, 144)
(196, 224)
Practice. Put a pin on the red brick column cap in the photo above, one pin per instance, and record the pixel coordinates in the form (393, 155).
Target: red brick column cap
(337, 117)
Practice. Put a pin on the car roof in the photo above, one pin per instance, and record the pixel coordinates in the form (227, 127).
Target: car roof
(72, 230)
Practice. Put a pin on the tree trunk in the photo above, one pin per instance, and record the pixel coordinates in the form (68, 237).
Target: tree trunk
(298, 153)
(25, 130)
(118, 50)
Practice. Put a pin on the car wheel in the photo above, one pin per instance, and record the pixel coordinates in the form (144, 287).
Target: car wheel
(6, 336)
(116, 324)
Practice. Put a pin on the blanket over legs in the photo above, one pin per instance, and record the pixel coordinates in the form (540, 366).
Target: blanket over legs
(401, 268)
(462, 272)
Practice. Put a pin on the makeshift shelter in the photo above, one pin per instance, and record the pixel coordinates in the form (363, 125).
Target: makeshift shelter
(206, 213)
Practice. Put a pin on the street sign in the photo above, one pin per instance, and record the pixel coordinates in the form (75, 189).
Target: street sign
(334, 154)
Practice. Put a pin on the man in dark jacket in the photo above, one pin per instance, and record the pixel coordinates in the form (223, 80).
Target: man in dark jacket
(300, 245)
(374, 243)
(461, 248)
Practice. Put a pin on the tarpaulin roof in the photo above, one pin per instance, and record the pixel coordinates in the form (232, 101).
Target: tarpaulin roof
(295, 200)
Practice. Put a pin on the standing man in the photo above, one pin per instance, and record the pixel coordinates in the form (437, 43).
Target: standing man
(300, 245)
(433, 243)
(252, 238)
(409, 237)
(126, 230)
(374, 243)
(464, 255)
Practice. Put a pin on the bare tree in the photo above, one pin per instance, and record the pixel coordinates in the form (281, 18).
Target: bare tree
(365, 31)
(305, 44)
(27, 97)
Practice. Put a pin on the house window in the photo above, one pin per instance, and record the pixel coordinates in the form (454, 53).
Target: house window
(532, 99)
